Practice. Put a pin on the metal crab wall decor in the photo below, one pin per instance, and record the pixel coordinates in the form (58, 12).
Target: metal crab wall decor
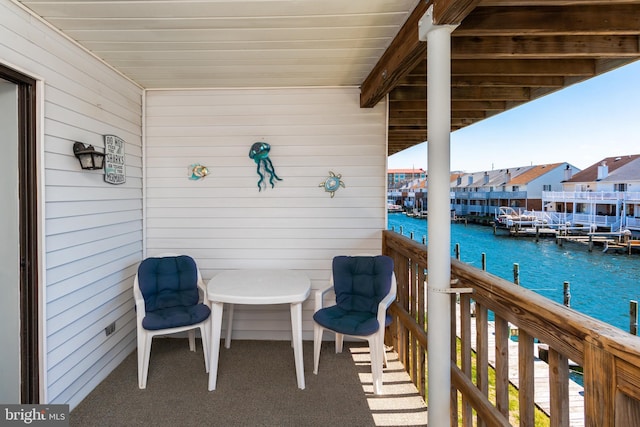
(332, 183)
(260, 154)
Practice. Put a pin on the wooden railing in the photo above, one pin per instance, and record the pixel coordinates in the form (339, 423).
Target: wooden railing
(609, 357)
(409, 336)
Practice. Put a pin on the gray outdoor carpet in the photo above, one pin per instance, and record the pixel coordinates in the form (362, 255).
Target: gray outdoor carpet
(256, 387)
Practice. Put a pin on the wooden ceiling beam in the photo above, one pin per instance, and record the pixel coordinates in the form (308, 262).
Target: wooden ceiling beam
(478, 105)
(402, 141)
(404, 52)
(407, 105)
(410, 115)
(420, 124)
(519, 67)
(420, 106)
(452, 12)
(408, 121)
(468, 114)
(523, 67)
(490, 81)
(486, 47)
(463, 122)
(412, 132)
(415, 121)
(508, 81)
(466, 93)
(552, 20)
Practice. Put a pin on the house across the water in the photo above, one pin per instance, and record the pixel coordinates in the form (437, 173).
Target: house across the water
(605, 196)
(483, 193)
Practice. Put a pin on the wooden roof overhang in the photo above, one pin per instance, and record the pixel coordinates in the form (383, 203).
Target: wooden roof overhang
(504, 53)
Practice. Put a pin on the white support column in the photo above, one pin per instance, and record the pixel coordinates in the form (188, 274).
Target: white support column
(438, 39)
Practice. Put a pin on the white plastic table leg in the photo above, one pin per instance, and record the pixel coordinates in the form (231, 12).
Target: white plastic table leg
(296, 329)
(227, 340)
(216, 326)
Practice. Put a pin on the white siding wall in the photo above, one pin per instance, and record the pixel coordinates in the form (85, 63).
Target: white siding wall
(553, 178)
(224, 222)
(93, 230)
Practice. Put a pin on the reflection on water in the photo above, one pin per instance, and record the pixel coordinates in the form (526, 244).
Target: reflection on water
(602, 284)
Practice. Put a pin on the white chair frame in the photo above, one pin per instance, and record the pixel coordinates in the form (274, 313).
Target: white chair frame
(145, 336)
(376, 340)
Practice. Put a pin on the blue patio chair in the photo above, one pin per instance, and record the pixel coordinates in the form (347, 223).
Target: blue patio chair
(365, 286)
(170, 297)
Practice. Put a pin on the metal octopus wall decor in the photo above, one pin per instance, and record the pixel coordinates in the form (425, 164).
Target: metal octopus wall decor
(260, 154)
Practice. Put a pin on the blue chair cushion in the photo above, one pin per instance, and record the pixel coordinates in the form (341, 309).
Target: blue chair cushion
(174, 317)
(169, 286)
(168, 282)
(348, 322)
(360, 283)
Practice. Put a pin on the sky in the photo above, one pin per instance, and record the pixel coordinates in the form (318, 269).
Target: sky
(580, 124)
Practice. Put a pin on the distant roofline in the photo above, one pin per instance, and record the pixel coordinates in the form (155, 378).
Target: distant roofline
(612, 163)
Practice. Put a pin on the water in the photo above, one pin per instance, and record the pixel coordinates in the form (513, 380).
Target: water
(602, 284)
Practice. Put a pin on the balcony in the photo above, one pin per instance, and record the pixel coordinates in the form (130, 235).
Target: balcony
(489, 195)
(590, 196)
(257, 380)
(632, 223)
(508, 195)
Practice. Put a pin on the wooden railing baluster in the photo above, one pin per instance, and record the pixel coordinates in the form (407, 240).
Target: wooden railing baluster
(465, 354)
(559, 388)
(502, 365)
(454, 359)
(482, 353)
(526, 379)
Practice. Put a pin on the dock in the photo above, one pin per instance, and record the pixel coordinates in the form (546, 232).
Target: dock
(609, 241)
(534, 232)
(542, 395)
(628, 247)
(590, 240)
(614, 241)
(528, 231)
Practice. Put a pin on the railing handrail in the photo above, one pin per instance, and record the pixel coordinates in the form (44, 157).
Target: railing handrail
(554, 324)
(411, 248)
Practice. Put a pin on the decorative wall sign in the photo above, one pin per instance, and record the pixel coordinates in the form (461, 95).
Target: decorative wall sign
(197, 171)
(260, 154)
(114, 172)
(332, 183)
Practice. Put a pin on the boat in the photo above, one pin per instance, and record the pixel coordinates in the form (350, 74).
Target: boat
(393, 208)
(416, 213)
(508, 217)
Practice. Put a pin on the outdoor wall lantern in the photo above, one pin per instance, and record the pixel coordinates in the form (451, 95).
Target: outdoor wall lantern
(88, 157)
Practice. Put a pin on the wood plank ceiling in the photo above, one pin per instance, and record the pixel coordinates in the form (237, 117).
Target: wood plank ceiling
(504, 52)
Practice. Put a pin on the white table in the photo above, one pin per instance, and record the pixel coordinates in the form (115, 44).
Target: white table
(256, 287)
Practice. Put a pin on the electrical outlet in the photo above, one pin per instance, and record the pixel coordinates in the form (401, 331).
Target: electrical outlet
(110, 329)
